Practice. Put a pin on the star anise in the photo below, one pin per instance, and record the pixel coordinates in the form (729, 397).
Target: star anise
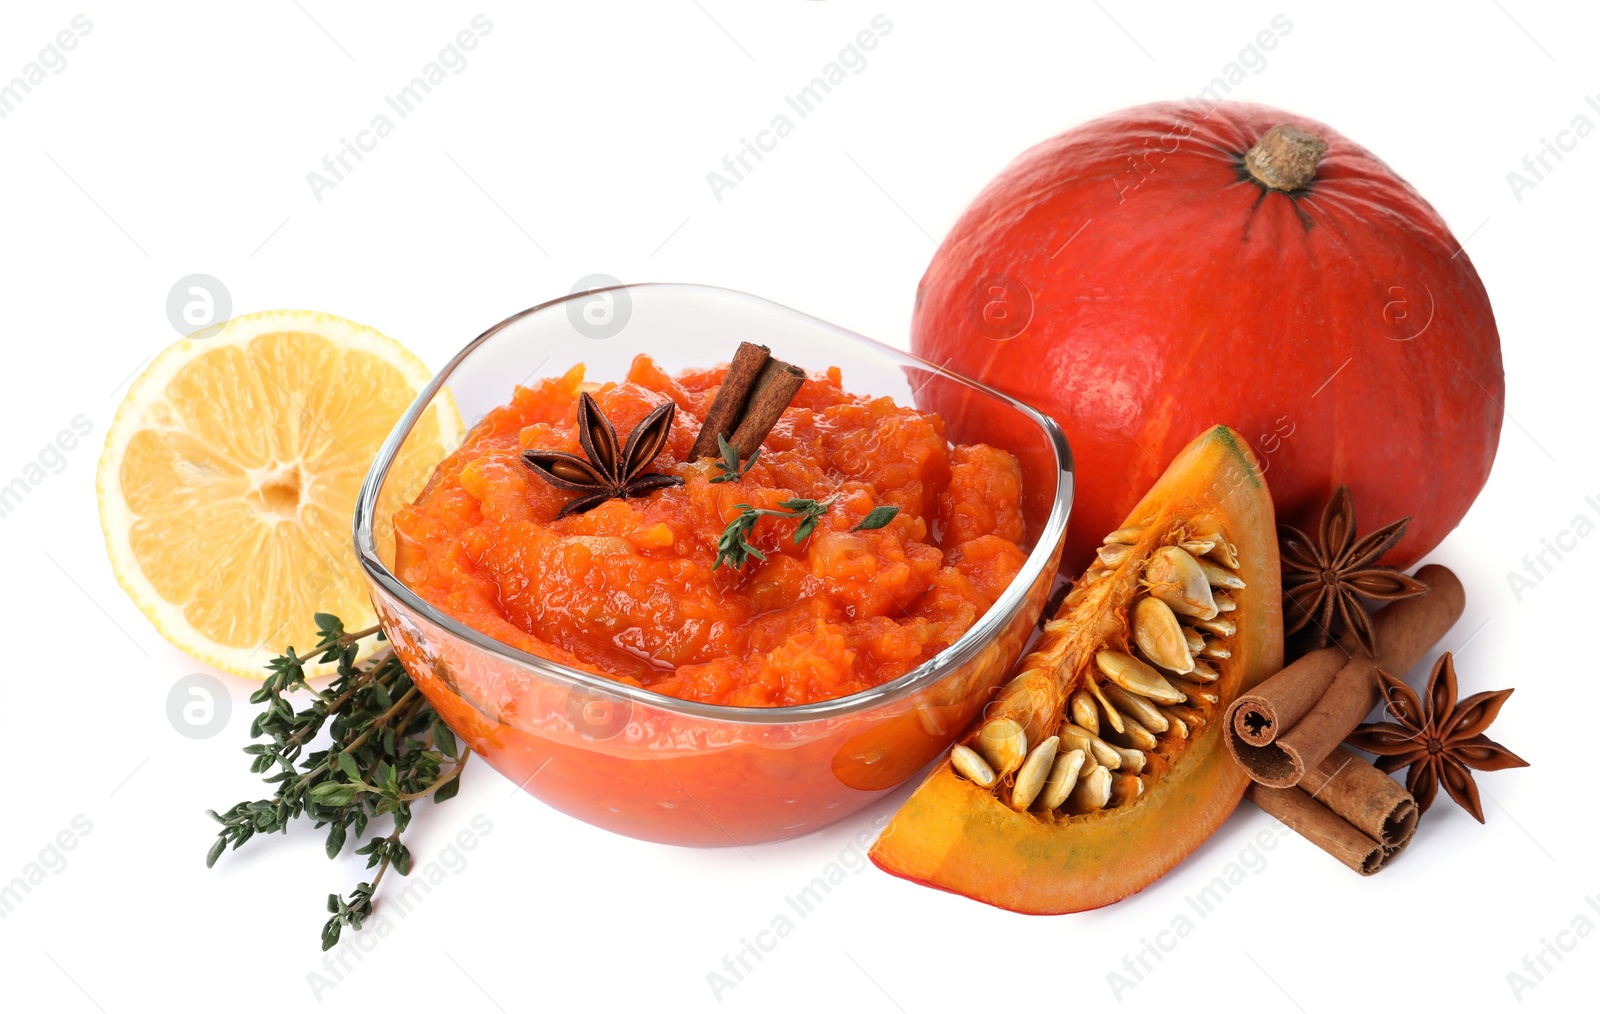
(1440, 740)
(1326, 580)
(614, 470)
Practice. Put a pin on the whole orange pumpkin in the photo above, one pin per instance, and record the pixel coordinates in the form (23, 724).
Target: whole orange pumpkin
(1173, 266)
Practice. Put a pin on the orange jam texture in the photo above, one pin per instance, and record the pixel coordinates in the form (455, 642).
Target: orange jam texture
(628, 590)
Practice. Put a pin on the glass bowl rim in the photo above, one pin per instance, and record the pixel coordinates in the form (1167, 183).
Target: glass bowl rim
(1044, 553)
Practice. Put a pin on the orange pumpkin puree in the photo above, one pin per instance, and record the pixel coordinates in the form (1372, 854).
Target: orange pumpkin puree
(628, 589)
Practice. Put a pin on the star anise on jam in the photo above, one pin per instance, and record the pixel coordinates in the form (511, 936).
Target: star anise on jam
(614, 470)
(1441, 740)
(1324, 581)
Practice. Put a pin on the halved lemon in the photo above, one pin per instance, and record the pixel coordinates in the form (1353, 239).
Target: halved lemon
(229, 479)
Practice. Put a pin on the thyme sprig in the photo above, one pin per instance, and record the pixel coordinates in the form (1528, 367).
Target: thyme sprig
(735, 549)
(732, 471)
(387, 749)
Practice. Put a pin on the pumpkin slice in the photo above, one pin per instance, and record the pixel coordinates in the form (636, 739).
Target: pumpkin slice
(1101, 764)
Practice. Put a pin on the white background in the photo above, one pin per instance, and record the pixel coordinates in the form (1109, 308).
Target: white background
(577, 140)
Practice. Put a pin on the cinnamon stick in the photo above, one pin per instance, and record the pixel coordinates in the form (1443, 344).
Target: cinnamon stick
(727, 408)
(1324, 828)
(1405, 631)
(1282, 700)
(1370, 800)
(774, 387)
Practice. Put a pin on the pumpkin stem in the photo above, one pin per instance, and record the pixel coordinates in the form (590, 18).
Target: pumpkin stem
(1285, 158)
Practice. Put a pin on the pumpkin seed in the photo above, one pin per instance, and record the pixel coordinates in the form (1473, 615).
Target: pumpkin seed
(1124, 536)
(974, 768)
(1197, 547)
(1137, 708)
(1220, 576)
(1224, 552)
(1196, 692)
(1063, 776)
(1031, 776)
(1114, 555)
(1176, 723)
(1176, 578)
(1225, 602)
(1136, 677)
(1091, 793)
(1003, 744)
(1084, 712)
(1082, 739)
(1136, 735)
(1218, 626)
(1193, 639)
(1159, 635)
(1125, 788)
(1132, 759)
(1113, 719)
(1194, 719)
(1203, 672)
(1215, 649)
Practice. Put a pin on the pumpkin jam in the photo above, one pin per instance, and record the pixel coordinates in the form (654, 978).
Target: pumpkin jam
(629, 589)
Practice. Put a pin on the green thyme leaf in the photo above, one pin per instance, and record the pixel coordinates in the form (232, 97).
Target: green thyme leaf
(876, 518)
(347, 764)
(731, 469)
(444, 739)
(335, 793)
(448, 790)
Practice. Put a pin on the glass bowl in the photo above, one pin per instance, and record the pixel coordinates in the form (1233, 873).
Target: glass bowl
(685, 772)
